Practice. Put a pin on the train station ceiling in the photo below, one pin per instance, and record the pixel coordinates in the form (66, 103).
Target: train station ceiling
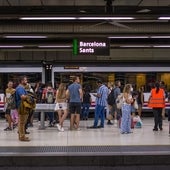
(51, 25)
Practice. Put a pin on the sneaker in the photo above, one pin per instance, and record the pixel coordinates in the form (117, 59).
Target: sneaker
(109, 122)
(50, 125)
(8, 129)
(100, 126)
(61, 129)
(58, 126)
(30, 125)
(91, 127)
(155, 129)
(26, 132)
(78, 129)
(115, 123)
(24, 139)
(14, 126)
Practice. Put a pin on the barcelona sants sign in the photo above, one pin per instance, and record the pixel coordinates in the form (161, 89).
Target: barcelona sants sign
(91, 46)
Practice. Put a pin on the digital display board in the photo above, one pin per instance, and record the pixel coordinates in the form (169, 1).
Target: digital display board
(91, 46)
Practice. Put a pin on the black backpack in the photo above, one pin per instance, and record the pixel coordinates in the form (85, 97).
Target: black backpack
(50, 97)
(111, 98)
(11, 102)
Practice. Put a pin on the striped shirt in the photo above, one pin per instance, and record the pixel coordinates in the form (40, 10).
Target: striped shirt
(102, 100)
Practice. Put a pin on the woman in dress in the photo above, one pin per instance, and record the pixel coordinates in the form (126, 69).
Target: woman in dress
(126, 110)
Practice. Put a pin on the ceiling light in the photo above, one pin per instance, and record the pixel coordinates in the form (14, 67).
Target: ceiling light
(160, 36)
(54, 46)
(77, 18)
(82, 11)
(144, 11)
(167, 18)
(47, 18)
(25, 36)
(135, 46)
(11, 46)
(106, 18)
(128, 37)
(161, 46)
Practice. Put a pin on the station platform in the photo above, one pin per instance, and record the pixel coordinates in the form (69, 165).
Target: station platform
(88, 149)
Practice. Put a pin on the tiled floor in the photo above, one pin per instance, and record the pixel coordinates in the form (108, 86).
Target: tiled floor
(110, 135)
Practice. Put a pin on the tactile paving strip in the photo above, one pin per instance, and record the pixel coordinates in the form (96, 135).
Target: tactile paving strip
(88, 149)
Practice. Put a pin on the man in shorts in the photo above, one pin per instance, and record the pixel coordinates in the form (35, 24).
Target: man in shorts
(75, 95)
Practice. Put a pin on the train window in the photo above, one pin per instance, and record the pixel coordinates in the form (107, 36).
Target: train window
(136, 79)
(5, 77)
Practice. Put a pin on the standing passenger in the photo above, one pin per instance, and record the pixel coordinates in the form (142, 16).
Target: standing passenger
(163, 86)
(29, 123)
(126, 109)
(109, 108)
(61, 105)
(39, 87)
(8, 92)
(140, 100)
(21, 95)
(48, 97)
(86, 103)
(101, 103)
(115, 109)
(75, 95)
(157, 103)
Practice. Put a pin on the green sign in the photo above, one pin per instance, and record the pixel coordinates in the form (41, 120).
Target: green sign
(91, 46)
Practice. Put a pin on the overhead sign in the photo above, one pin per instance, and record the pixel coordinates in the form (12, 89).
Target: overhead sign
(91, 46)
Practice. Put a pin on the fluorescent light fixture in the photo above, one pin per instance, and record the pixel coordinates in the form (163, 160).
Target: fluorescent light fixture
(25, 36)
(11, 46)
(166, 18)
(106, 18)
(54, 46)
(164, 36)
(47, 18)
(76, 18)
(128, 37)
(144, 10)
(133, 37)
(135, 46)
(161, 46)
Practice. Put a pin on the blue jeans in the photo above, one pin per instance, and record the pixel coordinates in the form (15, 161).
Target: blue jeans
(50, 116)
(85, 110)
(99, 112)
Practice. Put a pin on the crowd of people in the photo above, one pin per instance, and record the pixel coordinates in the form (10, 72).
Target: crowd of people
(75, 101)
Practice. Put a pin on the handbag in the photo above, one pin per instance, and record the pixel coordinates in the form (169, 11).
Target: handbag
(109, 117)
(135, 104)
(119, 101)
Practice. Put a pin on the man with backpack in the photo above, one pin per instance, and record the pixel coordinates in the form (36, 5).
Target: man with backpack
(48, 97)
(21, 97)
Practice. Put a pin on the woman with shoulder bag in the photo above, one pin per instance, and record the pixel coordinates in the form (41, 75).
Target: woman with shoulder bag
(126, 110)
